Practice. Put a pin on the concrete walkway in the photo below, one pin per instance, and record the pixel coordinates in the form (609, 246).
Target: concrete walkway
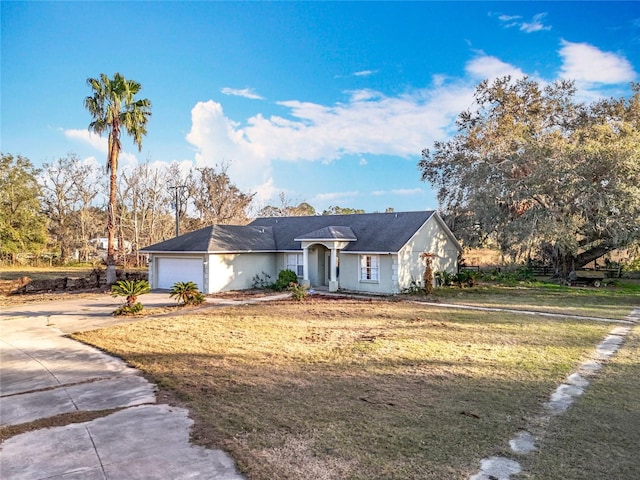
(44, 374)
(525, 442)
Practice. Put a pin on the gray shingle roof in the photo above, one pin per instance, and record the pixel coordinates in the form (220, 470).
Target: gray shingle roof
(373, 232)
(330, 233)
(219, 238)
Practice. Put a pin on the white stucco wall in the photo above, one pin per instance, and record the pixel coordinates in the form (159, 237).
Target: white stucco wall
(430, 238)
(236, 271)
(350, 274)
(281, 264)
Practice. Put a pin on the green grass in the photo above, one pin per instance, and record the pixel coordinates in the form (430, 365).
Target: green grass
(347, 389)
(605, 302)
(599, 436)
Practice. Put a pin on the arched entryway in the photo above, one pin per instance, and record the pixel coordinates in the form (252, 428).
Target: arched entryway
(323, 246)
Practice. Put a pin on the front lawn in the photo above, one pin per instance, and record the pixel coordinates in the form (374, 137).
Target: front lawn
(356, 389)
(599, 436)
(613, 301)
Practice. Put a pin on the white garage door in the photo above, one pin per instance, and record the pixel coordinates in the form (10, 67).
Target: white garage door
(172, 270)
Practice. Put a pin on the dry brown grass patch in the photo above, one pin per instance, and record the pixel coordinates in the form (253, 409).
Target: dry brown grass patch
(355, 389)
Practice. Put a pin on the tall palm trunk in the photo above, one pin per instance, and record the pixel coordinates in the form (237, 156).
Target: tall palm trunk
(111, 229)
(111, 217)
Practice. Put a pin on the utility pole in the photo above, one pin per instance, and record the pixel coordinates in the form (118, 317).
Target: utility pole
(177, 205)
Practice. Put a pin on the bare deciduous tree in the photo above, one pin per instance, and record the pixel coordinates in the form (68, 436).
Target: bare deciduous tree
(69, 188)
(216, 199)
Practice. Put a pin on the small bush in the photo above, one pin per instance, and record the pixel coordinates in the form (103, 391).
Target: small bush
(522, 274)
(187, 293)
(262, 281)
(127, 309)
(285, 278)
(298, 292)
(465, 277)
(444, 278)
(414, 288)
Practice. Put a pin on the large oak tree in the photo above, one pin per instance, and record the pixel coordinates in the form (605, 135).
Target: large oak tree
(22, 225)
(539, 173)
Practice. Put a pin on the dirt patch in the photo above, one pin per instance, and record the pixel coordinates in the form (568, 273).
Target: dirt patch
(27, 282)
(8, 287)
(27, 298)
(57, 421)
(244, 294)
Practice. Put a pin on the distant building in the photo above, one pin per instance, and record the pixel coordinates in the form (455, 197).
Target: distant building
(101, 243)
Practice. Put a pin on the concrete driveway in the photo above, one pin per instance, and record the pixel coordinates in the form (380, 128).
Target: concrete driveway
(44, 374)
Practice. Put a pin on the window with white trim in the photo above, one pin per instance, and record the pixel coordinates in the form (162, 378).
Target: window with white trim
(369, 268)
(294, 263)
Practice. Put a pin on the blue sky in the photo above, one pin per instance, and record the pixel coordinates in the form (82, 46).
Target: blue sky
(328, 102)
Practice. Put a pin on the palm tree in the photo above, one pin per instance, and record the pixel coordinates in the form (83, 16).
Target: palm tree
(114, 107)
(131, 289)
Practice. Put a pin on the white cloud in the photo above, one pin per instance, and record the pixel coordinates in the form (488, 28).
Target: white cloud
(367, 123)
(360, 73)
(488, 67)
(365, 73)
(509, 18)
(588, 64)
(266, 191)
(219, 139)
(92, 162)
(90, 138)
(439, 79)
(333, 196)
(244, 92)
(535, 25)
(127, 160)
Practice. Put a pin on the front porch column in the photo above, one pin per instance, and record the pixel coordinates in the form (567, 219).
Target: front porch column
(333, 281)
(305, 267)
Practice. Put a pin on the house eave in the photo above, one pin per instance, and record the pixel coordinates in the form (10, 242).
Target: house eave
(207, 252)
(364, 252)
(230, 252)
(195, 252)
(325, 239)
